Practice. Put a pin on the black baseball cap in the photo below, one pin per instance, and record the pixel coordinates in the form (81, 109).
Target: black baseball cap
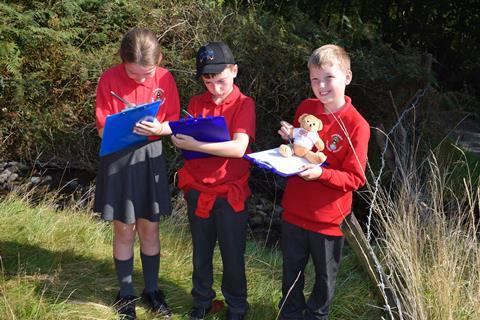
(213, 57)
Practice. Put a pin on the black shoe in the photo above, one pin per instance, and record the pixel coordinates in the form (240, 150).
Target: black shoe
(125, 307)
(156, 303)
(234, 316)
(198, 313)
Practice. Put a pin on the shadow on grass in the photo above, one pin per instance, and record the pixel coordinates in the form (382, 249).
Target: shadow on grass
(65, 275)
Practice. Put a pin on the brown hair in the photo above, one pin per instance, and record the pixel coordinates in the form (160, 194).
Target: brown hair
(139, 45)
(329, 54)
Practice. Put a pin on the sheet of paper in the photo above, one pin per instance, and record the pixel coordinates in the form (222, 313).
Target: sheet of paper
(272, 160)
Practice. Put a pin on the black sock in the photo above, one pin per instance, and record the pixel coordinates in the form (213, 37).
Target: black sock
(150, 267)
(124, 269)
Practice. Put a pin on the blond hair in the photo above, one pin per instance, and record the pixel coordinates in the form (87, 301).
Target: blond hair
(329, 54)
(140, 45)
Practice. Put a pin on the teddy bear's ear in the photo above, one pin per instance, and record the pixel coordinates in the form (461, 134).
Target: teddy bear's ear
(300, 119)
(319, 123)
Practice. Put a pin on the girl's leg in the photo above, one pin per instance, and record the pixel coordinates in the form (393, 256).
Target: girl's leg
(123, 239)
(150, 255)
(149, 252)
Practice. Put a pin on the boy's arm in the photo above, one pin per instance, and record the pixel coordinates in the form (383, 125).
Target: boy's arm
(352, 174)
(243, 126)
(234, 148)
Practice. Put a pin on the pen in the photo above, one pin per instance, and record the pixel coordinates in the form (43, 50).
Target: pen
(128, 104)
(187, 113)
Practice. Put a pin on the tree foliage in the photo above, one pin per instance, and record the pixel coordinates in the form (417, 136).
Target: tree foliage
(52, 53)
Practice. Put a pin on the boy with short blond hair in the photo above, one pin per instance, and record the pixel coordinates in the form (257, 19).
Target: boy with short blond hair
(329, 54)
(216, 188)
(317, 200)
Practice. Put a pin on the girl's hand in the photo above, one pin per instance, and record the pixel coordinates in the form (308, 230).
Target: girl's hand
(183, 141)
(312, 172)
(286, 130)
(149, 128)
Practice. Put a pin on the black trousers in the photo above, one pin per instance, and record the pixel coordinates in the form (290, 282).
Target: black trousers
(297, 246)
(230, 228)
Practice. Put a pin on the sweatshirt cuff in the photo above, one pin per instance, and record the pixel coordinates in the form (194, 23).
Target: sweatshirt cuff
(326, 174)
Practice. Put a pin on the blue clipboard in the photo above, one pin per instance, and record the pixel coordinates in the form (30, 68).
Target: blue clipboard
(118, 131)
(209, 129)
(273, 161)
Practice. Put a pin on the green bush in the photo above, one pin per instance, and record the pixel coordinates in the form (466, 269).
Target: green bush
(52, 54)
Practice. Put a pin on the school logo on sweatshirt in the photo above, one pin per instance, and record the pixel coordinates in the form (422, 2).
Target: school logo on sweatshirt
(334, 144)
(157, 94)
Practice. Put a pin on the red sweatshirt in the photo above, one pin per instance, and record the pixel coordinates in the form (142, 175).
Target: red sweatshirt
(320, 206)
(220, 176)
(161, 85)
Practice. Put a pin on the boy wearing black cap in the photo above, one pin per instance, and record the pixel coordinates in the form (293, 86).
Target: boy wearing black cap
(216, 188)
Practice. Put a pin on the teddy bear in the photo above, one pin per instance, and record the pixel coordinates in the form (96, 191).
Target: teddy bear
(304, 138)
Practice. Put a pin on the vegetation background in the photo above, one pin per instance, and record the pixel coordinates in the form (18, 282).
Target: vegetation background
(422, 197)
(52, 53)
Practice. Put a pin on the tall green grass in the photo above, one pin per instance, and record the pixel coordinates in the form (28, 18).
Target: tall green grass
(58, 265)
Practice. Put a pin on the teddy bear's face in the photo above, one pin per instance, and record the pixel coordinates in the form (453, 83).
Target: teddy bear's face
(310, 123)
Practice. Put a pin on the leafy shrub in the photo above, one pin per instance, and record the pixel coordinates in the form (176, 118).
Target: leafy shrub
(51, 56)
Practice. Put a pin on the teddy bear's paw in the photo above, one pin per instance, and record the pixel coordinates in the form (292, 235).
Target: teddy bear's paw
(285, 150)
(316, 158)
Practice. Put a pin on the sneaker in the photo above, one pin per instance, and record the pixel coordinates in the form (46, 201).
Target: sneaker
(156, 303)
(198, 313)
(125, 307)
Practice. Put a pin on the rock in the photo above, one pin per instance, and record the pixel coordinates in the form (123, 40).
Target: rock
(12, 177)
(35, 180)
(278, 211)
(72, 184)
(255, 220)
(4, 176)
(13, 166)
(8, 186)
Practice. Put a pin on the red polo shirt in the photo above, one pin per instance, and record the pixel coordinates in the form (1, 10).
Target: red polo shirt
(213, 172)
(161, 85)
(321, 205)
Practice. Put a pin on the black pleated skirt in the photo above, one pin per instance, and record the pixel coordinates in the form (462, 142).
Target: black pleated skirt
(133, 184)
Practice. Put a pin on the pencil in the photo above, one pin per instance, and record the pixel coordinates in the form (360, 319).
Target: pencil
(128, 104)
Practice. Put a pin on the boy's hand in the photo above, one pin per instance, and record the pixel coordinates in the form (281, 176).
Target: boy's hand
(286, 130)
(312, 172)
(183, 141)
(149, 128)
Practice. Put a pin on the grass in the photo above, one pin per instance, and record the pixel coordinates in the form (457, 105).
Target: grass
(58, 265)
(428, 235)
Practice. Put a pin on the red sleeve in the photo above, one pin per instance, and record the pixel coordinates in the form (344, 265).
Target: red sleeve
(103, 100)
(351, 176)
(245, 120)
(170, 110)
